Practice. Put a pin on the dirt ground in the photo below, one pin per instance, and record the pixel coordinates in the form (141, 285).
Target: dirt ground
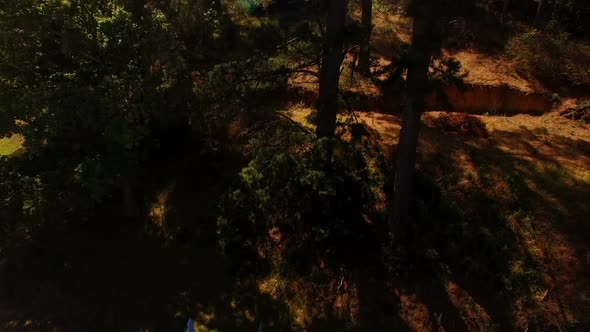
(536, 171)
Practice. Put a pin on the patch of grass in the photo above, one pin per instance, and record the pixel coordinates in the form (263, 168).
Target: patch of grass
(10, 145)
(299, 115)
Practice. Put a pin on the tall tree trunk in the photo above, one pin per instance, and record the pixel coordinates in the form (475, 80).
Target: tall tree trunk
(332, 57)
(424, 43)
(540, 17)
(130, 200)
(505, 9)
(365, 49)
(556, 12)
(523, 8)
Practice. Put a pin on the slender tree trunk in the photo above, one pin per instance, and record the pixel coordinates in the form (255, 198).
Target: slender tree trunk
(365, 49)
(424, 43)
(540, 17)
(555, 13)
(505, 9)
(523, 8)
(130, 201)
(332, 57)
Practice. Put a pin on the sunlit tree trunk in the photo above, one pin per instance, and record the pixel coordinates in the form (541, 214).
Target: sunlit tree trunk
(420, 56)
(365, 48)
(332, 57)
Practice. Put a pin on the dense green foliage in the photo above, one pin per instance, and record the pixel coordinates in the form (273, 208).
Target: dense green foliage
(320, 211)
(96, 88)
(20, 201)
(87, 85)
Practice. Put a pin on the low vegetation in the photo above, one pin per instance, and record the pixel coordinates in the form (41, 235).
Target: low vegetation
(552, 58)
(294, 166)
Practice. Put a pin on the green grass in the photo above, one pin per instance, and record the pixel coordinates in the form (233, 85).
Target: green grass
(299, 115)
(10, 145)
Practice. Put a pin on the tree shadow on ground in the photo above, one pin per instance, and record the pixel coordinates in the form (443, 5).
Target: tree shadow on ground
(517, 202)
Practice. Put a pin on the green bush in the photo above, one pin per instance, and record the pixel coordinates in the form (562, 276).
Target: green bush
(286, 188)
(20, 204)
(553, 59)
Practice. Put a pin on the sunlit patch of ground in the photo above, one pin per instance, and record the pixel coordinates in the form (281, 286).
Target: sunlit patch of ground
(11, 145)
(415, 313)
(308, 302)
(392, 30)
(299, 114)
(492, 70)
(537, 166)
(537, 169)
(473, 314)
(384, 127)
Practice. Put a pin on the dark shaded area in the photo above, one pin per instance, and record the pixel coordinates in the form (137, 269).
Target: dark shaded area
(112, 273)
(100, 268)
(463, 124)
(481, 29)
(580, 113)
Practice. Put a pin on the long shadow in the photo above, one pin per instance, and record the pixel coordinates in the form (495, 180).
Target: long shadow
(432, 292)
(378, 304)
(560, 200)
(466, 242)
(530, 165)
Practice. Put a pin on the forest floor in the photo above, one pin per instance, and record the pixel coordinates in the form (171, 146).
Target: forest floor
(532, 172)
(536, 170)
(527, 269)
(10, 145)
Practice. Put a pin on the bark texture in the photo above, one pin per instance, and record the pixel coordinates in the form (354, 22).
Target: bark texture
(332, 57)
(540, 17)
(425, 41)
(505, 8)
(365, 48)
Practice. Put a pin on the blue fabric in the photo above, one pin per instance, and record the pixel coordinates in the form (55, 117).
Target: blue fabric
(190, 327)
